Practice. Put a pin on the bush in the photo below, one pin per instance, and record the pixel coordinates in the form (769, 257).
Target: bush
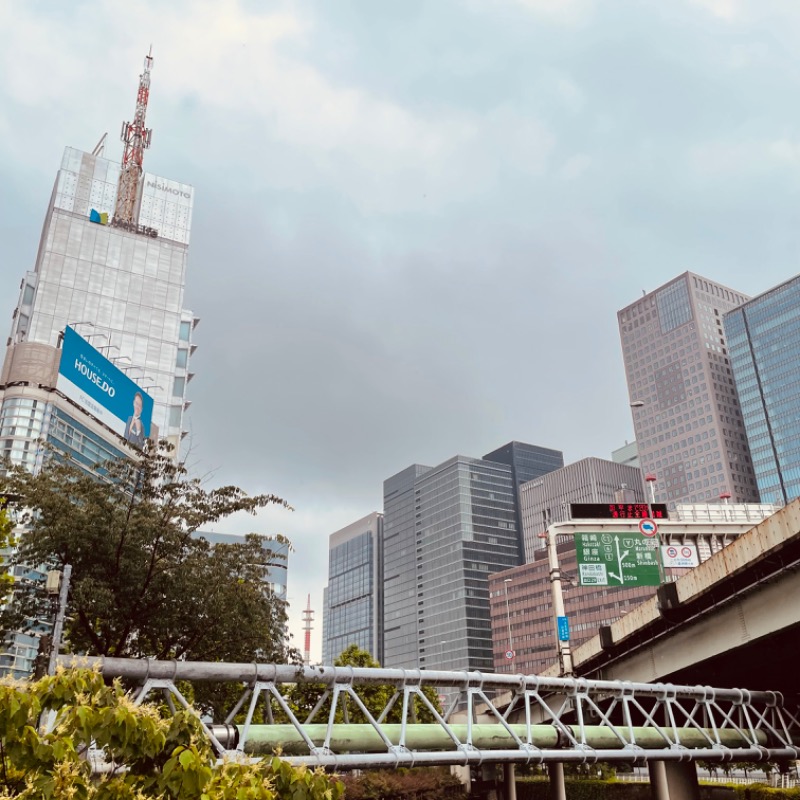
(539, 789)
(757, 791)
(404, 784)
(586, 789)
(153, 756)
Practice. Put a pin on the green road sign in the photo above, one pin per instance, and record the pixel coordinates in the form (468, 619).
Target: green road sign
(617, 559)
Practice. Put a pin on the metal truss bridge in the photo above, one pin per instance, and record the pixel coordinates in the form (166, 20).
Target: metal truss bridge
(489, 718)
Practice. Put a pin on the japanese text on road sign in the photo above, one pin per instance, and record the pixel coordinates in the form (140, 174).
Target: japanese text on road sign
(616, 559)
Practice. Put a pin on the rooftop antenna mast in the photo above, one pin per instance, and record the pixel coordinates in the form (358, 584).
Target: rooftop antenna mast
(308, 618)
(136, 139)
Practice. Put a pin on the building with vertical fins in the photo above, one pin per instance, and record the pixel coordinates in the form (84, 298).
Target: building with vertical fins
(686, 414)
(547, 499)
(446, 529)
(98, 354)
(764, 339)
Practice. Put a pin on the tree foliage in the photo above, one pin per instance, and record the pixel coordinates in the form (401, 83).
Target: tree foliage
(6, 545)
(142, 584)
(150, 755)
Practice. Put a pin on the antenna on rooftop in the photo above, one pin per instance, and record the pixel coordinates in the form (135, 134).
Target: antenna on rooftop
(100, 146)
(308, 618)
(136, 139)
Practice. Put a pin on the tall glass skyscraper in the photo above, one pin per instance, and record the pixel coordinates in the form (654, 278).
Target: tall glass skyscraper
(764, 340)
(120, 287)
(353, 601)
(686, 414)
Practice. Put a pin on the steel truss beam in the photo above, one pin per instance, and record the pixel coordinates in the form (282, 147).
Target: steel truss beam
(540, 720)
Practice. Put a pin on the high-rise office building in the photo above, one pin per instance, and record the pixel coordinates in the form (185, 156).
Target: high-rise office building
(98, 354)
(446, 529)
(116, 281)
(353, 599)
(527, 461)
(547, 499)
(764, 339)
(400, 630)
(686, 414)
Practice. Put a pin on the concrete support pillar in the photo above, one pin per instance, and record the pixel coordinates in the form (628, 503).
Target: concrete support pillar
(463, 774)
(659, 789)
(673, 780)
(510, 781)
(682, 780)
(558, 790)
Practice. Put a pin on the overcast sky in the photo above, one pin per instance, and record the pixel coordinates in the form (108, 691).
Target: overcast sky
(415, 221)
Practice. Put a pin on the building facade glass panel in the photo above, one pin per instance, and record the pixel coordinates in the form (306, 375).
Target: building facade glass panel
(353, 601)
(121, 289)
(764, 337)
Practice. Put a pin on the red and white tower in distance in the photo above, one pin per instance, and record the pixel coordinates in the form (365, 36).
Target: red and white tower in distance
(136, 138)
(308, 618)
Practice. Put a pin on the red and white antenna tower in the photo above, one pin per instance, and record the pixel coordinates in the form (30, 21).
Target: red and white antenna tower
(308, 618)
(136, 139)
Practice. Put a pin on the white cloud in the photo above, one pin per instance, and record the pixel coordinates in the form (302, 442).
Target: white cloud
(562, 11)
(785, 150)
(570, 94)
(575, 166)
(727, 10)
(718, 156)
(741, 157)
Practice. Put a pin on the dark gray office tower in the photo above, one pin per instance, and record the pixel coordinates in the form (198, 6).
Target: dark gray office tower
(686, 413)
(446, 529)
(764, 339)
(400, 568)
(527, 461)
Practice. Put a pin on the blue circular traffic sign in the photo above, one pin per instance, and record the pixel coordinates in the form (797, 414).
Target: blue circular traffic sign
(648, 527)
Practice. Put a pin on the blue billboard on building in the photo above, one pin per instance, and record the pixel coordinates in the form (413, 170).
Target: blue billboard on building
(89, 379)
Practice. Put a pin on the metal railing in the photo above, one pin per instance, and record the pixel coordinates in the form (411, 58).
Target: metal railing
(540, 719)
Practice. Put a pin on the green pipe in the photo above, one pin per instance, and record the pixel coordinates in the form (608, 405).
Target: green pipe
(262, 739)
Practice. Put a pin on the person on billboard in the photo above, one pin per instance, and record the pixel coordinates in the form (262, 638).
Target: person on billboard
(134, 429)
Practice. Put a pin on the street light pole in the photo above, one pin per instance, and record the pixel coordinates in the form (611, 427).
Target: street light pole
(651, 480)
(58, 627)
(564, 652)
